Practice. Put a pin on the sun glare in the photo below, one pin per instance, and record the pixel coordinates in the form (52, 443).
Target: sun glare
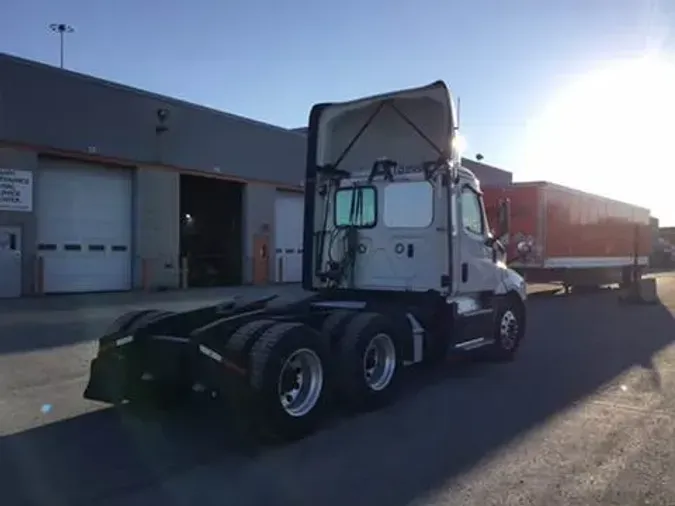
(609, 130)
(460, 144)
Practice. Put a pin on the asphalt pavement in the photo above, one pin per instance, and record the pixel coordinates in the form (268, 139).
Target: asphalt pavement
(584, 416)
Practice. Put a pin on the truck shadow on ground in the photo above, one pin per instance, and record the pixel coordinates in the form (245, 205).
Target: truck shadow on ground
(559, 291)
(445, 424)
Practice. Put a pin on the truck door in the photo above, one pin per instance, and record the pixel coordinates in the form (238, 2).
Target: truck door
(477, 271)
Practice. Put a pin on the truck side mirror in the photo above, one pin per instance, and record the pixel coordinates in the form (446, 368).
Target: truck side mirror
(504, 218)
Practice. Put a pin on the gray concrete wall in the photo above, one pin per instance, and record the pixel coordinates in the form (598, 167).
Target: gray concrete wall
(156, 227)
(22, 160)
(258, 210)
(49, 107)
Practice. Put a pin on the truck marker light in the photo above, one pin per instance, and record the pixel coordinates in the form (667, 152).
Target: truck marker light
(124, 340)
(210, 353)
(221, 360)
(103, 347)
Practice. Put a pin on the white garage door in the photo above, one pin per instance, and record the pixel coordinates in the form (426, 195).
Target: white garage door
(84, 227)
(289, 217)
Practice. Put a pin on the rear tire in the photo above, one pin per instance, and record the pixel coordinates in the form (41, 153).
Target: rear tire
(239, 346)
(369, 362)
(288, 382)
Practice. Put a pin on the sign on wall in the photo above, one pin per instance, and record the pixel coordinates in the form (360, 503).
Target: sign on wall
(16, 190)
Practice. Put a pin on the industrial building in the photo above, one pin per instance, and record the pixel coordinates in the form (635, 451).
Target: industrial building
(108, 188)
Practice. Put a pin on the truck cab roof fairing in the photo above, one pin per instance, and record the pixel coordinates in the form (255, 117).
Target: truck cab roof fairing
(433, 103)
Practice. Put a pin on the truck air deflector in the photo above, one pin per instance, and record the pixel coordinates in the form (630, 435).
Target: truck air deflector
(333, 168)
(329, 113)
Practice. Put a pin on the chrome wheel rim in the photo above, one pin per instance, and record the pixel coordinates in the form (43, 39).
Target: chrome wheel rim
(379, 362)
(300, 382)
(508, 330)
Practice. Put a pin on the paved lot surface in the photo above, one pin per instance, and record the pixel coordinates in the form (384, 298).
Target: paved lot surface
(583, 417)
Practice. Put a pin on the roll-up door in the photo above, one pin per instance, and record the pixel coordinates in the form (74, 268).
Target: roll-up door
(84, 220)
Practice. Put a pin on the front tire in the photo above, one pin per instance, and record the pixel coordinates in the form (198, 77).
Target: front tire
(509, 330)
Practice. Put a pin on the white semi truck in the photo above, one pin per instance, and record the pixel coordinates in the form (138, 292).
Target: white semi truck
(401, 264)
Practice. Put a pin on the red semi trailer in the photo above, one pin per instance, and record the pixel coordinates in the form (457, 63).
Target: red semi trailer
(563, 235)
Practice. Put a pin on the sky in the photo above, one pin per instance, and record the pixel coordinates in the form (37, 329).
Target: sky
(571, 91)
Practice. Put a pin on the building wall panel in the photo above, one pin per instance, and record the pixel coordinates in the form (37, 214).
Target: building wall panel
(22, 160)
(48, 107)
(156, 228)
(258, 214)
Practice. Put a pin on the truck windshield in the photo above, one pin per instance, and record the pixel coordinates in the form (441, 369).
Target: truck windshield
(356, 207)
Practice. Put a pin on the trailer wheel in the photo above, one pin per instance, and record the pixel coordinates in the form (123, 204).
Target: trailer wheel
(288, 379)
(509, 330)
(369, 362)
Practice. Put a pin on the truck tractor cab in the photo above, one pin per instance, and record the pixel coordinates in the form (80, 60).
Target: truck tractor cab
(402, 265)
(389, 208)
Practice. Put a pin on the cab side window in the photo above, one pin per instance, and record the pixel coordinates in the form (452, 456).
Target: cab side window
(472, 211)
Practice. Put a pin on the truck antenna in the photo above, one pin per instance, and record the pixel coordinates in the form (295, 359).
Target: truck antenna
(459, 109)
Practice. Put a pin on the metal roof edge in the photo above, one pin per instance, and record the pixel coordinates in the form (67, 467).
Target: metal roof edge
(139, 91)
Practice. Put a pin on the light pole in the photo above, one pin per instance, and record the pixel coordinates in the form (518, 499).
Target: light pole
(62, 29)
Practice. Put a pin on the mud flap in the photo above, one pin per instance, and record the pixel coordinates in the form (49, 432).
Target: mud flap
(108, 379)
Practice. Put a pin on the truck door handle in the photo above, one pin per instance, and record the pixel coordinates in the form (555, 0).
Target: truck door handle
(465, 272)
(411, 250)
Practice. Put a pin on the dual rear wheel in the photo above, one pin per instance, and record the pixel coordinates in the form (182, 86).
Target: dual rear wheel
(294, 371)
